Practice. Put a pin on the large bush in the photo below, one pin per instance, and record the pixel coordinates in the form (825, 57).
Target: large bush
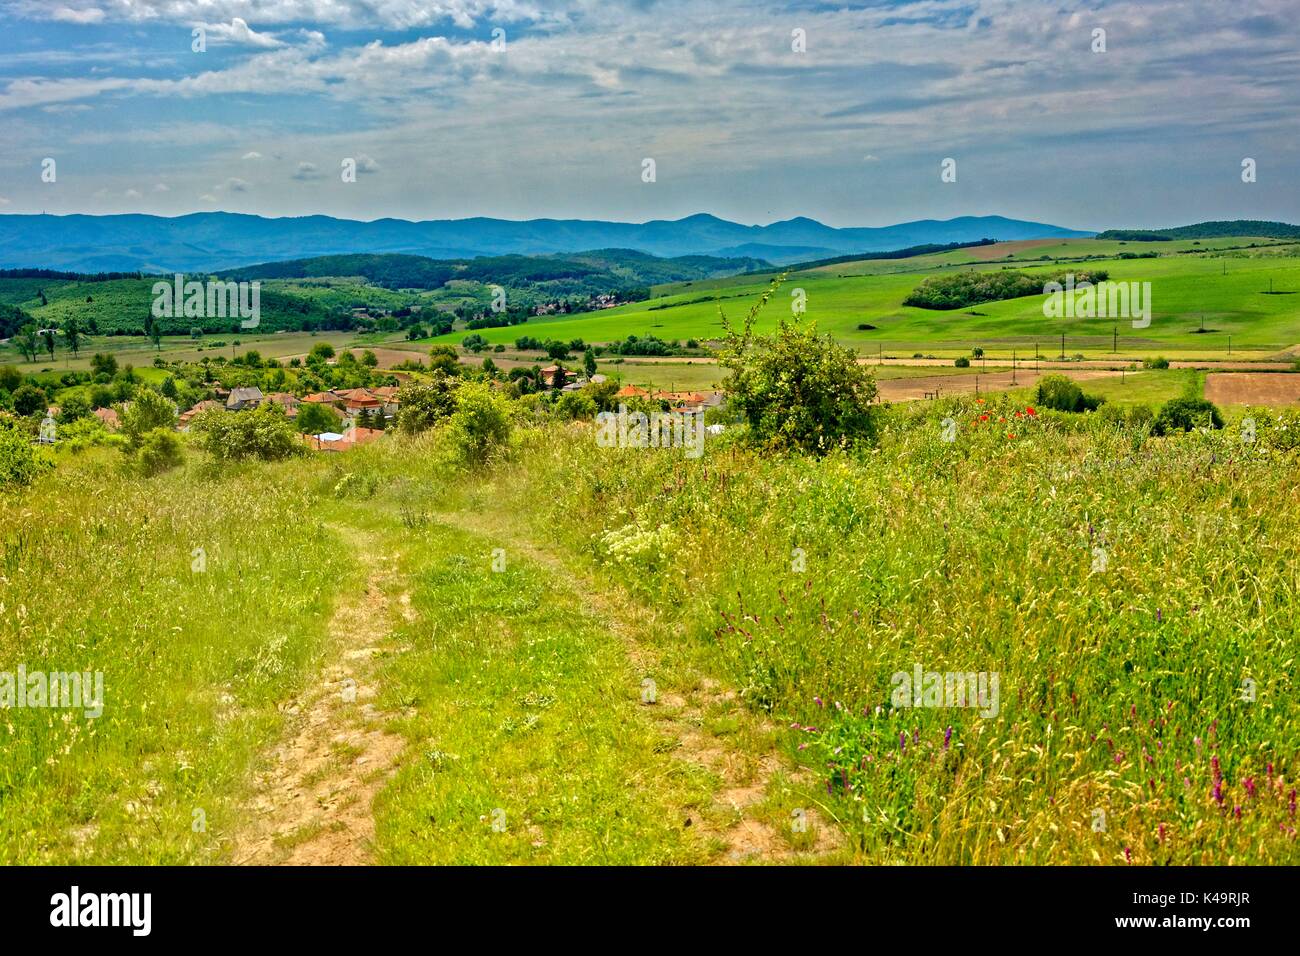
(19, 460)
(316, 417)
(147, 411)
(797, 390)
(481, 422)
(160, 450)
(425, 404)
(1184, 414)
(1061, 394)
(263, 433)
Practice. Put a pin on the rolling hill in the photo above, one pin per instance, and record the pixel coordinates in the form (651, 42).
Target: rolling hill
(203, 242)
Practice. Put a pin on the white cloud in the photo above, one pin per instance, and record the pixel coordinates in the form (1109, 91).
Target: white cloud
(252, 154)
(77, 14)
(307, 171)
(161, 188)
(131, 194)
(238, 31)
(3, 201)
(208, 198)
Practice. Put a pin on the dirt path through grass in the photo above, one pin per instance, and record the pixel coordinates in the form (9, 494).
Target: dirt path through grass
(709, 726)
(313, 803)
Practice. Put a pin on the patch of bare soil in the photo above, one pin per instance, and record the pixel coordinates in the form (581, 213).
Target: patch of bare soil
(748, 776)
(313, 801)
(1252, 388)
(913, 389)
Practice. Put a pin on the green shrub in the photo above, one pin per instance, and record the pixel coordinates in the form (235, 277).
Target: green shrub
(315, 417)
(576, 405)
(962, 362)
(160, 450)
(20, 462)
(147, 411)
(263, 433)
(1158, 362)
(481, 422)
(1184, 414)
(797, 390)
(28, 400)
(425, 404)
(1062, 395)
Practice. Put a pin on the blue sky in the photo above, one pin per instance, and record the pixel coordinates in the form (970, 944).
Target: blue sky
(557, 120)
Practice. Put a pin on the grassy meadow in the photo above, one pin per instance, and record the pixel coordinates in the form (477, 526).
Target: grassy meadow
(629, 656)
(1220, 284)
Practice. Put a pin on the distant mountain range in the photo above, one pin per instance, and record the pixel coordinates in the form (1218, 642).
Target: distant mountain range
(212, 241)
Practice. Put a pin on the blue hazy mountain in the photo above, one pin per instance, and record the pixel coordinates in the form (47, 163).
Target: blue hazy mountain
(222, 240)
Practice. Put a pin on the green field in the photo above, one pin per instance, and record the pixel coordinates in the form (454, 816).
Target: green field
(1225, 291)
(703, 658)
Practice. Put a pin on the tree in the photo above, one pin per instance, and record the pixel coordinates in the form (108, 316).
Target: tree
(72, 407)
(264, 433)
(369, 359)
(102, 363)
(421, 406)
(481, 421)
(321, 351)
(589, 362)
(474, 342)
(797, 390)
(47, 336)
(148, 410)
(72, 335)
(19, 461)
(10, 378)
(196, 333)
(443, 359)
(169, 387)
(1184, 414)
(557, 350)
(317, 417)
(160, 450)
(28, 342)
(28, 400)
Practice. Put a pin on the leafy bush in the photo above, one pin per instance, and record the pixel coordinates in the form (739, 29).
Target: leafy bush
(316, 417)
(263, 433)
(797, 390)
(147, 411)
(1157, 362)
(19, 461)
(1184, 414)
(28, 400)
(1061, 394)
(962, 362)
(160, 450)
(481, 422)
(424, 405)
(576, 405)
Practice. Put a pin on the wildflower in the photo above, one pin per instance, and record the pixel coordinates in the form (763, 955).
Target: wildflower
(1218, 792)
(1162, 833)
(1029, 410)
(1236, 811)
(1128, 855)
(1249, 784)
(818, 702)
(947, 737)
(902, 742)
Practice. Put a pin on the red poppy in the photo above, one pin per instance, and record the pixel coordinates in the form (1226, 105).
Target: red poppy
(1030, 410)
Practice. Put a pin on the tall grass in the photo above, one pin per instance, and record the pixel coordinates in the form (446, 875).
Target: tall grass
(99, 572)
(1123, 731)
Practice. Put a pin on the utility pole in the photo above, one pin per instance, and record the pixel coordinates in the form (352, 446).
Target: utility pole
(1229, 343)
(1114, 340)
(1062, 346)
(1013, 366)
